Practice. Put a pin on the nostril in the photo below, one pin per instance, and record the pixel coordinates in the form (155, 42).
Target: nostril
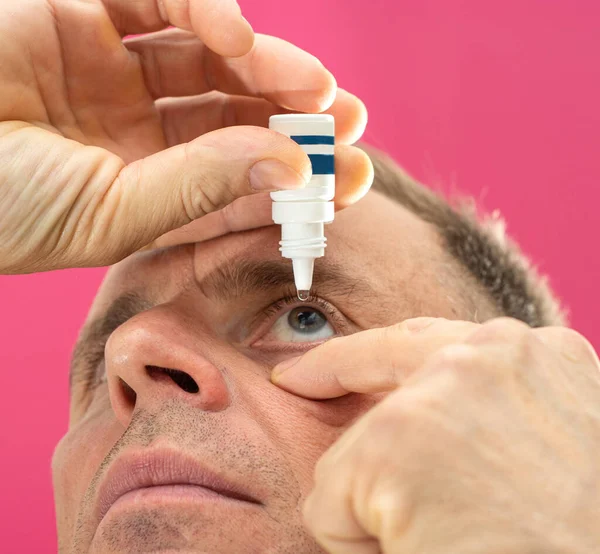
(129, 393)
(181, 378)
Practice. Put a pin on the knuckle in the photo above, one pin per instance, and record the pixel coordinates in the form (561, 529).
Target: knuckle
(230, 214)
(572, 344)
(454, 357)
(382, 339)
(130, 176)
(391, 509)
(570, 336)
(417, 324)
(465, 365)
(385, 335)
(582, 346)
(205, 192)
(501, 329)
(310, 513)
(517, 342)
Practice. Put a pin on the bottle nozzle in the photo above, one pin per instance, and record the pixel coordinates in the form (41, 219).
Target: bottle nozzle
(303, 213)
(303, 276)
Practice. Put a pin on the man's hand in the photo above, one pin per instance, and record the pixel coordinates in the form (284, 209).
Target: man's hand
(107, 143)
(488, 442)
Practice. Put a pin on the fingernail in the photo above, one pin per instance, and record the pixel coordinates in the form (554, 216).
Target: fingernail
(268, 175)
(283, 366)
(237, 6)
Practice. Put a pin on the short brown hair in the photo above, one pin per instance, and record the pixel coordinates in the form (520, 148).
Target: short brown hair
(478, 243)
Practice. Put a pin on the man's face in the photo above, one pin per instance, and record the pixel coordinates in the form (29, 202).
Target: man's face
(221, 314)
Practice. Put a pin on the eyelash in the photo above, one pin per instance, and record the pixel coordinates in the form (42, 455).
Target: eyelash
(91, 380)
(291, 301)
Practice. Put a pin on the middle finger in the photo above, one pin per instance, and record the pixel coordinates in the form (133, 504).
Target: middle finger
(184, 119)
(176, 63)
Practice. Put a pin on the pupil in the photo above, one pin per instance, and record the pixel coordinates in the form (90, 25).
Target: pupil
(306, 320)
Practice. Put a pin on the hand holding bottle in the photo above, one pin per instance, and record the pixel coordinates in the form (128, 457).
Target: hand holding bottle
(107, 143)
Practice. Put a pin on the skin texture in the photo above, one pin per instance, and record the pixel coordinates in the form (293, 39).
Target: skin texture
(488, 440)
(94, 143)
(240, 420)
(432, 436)
(330, 442)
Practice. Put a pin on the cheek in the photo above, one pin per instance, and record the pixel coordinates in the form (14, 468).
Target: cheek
(76, 459)
(304, 429)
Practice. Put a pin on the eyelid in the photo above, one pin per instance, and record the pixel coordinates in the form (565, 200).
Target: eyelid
(269, 316)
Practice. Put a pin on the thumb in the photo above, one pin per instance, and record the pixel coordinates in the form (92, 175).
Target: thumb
(101, 211)
(372, 361)
(184, 183)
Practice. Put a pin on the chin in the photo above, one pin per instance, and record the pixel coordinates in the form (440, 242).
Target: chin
(194, 529)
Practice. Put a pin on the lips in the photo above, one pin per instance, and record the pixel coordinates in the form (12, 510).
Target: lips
(141, 470)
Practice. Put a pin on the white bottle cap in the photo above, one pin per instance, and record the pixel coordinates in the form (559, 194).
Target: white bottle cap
(303, 213)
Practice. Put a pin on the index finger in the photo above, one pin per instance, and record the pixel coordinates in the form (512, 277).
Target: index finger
(372, 361)
(243, 214)
(353, 176)
(219, 23)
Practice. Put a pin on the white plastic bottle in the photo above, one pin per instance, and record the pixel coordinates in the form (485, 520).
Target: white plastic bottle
(303, 213)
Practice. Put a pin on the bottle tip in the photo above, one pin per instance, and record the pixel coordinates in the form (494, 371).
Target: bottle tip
(303, 295)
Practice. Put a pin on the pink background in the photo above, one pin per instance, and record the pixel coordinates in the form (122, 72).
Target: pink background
(497, 99)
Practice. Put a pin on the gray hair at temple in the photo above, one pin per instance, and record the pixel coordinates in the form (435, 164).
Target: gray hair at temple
(477, 243)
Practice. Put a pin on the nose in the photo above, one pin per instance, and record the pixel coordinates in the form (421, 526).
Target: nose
(154, 357)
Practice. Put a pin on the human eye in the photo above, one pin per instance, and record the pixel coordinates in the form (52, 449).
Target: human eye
(302, 324)
(296, 324)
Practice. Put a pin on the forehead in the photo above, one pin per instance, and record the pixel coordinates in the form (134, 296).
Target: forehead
(377, 240)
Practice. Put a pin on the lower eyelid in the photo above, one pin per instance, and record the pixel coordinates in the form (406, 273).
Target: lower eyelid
(288, 347)
(258, 336)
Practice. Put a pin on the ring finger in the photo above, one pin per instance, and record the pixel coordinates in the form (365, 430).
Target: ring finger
(185, 119)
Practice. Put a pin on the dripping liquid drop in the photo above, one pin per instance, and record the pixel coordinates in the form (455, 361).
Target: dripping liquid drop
(303, 295)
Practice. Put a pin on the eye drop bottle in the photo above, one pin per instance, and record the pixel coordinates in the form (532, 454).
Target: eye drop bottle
(303, 213)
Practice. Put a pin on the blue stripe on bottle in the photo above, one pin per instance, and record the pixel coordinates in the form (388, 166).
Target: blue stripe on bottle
(322, 164)
(313, 139)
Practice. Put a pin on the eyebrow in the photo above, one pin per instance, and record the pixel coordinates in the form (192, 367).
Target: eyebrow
(89, 348)
(229, 281)
(237, 278)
